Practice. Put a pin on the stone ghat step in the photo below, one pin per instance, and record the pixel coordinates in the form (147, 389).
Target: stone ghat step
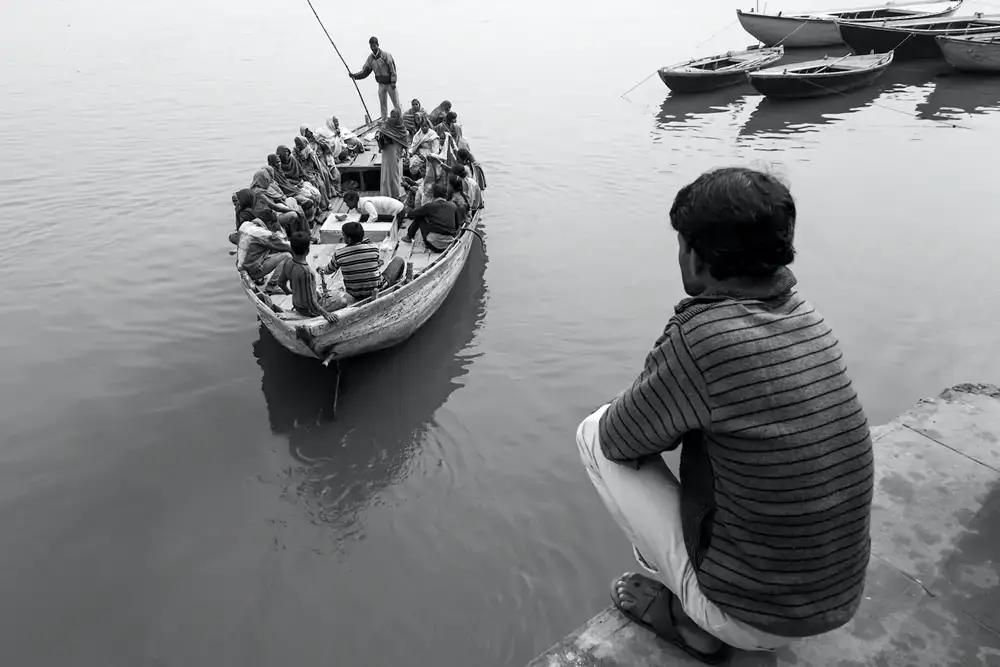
(932, 595)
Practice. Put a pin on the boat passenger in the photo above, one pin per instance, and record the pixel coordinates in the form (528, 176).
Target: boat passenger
(464, 157)
(409, 116)
(380, 209)
(249, 204)
(438, 221)
(304, 155)
(425, 141)
(305, 299)
(382, 64)
(263, 186)
(439, 112)
(457, 196)
(296, 174)
(301, 190)
(450, 126)
(777, 463)
(471, 187)
(323, 153)
(359, 262)
(393, 140)
(263, 250)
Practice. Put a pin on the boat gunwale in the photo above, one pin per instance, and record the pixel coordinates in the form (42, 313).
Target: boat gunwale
(773, 73)
(973, 38)
(769, 55)
(832, 16)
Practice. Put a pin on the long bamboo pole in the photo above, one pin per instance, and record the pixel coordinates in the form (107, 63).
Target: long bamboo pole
(368, 117)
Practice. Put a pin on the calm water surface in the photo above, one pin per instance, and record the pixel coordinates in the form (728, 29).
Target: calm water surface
(173, 487)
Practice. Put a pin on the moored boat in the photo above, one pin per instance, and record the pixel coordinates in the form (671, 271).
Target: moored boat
(815, 78)
(390, 316)
(971, 53)
(719, 71)
(912, 40)
(818, 28)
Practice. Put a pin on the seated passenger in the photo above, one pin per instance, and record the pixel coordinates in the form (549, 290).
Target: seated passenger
(359, 262)
(288, 188)
(262, 249)
(466, 158)
(314, 171)
(456, 195)
(297, 273)
(249, 204)
(372, 209)
(470, 187)
(293, 170)
(450, 126)
(425, 142)
(266, 191)
(323, 153)
(410, 116)
(439, 112)
(348, 140)
(438, 221)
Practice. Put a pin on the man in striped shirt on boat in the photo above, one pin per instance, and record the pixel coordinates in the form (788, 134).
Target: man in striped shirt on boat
(359, 262)
(765, 538)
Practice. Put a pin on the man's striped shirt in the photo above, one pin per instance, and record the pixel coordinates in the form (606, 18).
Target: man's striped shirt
(359, 264)
(776, 466)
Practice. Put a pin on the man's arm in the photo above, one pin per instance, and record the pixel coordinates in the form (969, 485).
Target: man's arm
(391, 62)
(331, 267)
(283, 278)
(368, 209)
(365, 71)
(276, 242)
(421, 211)
(667, 400)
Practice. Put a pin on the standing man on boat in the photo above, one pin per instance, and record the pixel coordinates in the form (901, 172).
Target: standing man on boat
(384, 66)
(765, 537)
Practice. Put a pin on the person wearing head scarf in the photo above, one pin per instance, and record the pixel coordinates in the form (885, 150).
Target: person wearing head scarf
(393, 141)
(450, 126)
(250, 202)
(326, 161)
(425, 141)
(439, 112)
(409, 117)
(262, 250)
(303, 154)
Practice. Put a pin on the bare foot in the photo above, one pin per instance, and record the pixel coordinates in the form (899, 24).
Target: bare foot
(661, 616)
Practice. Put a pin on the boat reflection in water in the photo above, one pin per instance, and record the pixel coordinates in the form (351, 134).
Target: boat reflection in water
(774, 118)
(956, 94)
(678, 111)
(386, 404)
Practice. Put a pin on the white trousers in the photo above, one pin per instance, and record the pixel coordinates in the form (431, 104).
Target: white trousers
(388, 90)
(646, 503)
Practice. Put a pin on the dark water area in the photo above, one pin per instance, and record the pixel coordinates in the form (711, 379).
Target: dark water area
(174, 487)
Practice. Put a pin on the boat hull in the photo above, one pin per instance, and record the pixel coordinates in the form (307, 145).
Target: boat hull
(790, 32)
(699, 83)
(797, 87)
(907, 44)
(388, 321)
(971, 56)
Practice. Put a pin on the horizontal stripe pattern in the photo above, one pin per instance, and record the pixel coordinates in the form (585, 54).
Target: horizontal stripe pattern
(790, 453)
(359, 264)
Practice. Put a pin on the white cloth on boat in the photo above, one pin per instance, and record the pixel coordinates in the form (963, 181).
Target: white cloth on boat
(250, 230)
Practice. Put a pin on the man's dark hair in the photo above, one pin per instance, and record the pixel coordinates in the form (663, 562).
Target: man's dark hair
(439, 190)
(460, 170)
(353, 232)
(455, 182)
(373, 40)
(450, 117)
(741, 222)
(307, 205)
(464, 155)
(299, 242)
(351, 198)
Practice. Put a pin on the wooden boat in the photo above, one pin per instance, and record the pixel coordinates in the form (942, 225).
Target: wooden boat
(815, 78)
(819, 28)
(374, 323)
(912, 40)
(704, 74)
(971, 53)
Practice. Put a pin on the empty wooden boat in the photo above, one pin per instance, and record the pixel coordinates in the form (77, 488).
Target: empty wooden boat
(815, 78)
(971, 53)
(704, 74)
(912, 40)
(819, 28)
(395, 313)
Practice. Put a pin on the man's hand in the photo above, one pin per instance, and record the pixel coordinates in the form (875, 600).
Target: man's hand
(331, 318)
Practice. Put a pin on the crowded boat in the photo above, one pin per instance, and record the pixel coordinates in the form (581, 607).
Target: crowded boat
(336, 220)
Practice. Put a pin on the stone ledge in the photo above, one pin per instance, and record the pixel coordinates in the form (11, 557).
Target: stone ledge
(933, 591)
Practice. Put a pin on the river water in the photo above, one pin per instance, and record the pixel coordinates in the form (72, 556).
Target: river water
(174, 489)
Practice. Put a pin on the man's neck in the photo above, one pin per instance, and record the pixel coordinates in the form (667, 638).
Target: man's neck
(301, 259)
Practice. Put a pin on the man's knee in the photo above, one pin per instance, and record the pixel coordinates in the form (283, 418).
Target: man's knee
(587, 438)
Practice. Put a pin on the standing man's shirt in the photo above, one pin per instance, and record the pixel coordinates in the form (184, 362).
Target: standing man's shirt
(376, 206)
(360, 265)
(382, 65)
(777, 468)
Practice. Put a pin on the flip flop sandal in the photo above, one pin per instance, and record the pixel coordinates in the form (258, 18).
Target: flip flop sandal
(648, 592)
